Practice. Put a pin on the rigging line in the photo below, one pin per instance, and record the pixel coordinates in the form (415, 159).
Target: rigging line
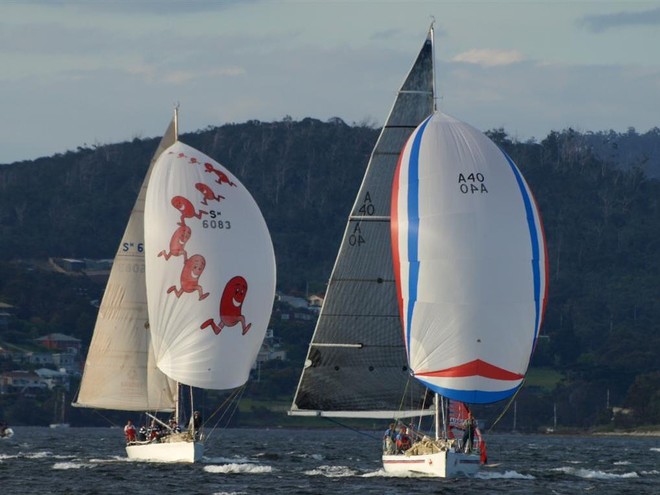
(350, 428)
(369, 218)
(234, 398)
(235, 404)
(227, 400)
(403, 395)
(513, 397)
(112, 423)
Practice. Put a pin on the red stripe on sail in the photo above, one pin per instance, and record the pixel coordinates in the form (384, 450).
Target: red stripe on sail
(394, 233)
(474, 368)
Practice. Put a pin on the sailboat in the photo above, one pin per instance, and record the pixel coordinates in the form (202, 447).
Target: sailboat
(437, 294)
(5, 431)
(188, 299)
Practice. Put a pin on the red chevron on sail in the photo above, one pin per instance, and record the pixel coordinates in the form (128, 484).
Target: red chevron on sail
(474, 368)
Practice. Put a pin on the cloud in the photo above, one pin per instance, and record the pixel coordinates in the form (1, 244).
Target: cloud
(601, 23)
(160, 7)
(489, 58)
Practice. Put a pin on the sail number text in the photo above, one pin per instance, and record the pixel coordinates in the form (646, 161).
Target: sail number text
(215, 222)
(472, 183)
(132, 246)
(367, 209)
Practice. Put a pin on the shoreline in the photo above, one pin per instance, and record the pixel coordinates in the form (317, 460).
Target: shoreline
(638, 433)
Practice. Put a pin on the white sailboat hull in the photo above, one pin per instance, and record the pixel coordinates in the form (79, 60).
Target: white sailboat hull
(447, 464)
(184, 451)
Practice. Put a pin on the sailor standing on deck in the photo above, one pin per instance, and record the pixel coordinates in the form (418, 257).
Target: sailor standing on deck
(129, 431)
(468, 435)
(195, 424)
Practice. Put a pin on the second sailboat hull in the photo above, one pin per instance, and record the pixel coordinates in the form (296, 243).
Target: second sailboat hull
(445, 464)
(185, 452)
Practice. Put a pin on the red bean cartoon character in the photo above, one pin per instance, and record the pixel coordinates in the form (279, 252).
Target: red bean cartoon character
(208, 193)
(221, 176)
(192, 270)
(186, 208)
(178, 243)
(231, 304)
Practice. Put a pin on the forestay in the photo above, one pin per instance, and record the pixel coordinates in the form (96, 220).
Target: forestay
(210, 271)
(470, 256)
(356, 363)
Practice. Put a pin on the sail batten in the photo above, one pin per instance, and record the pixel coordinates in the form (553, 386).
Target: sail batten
(376, 414)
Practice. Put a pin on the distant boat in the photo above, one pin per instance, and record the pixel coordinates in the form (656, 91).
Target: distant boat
(188, 299)
(59, 425)
(437, 294)
(5, 431)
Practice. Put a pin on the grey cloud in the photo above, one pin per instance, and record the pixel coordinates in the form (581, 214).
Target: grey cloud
(600, 23)
(155, 7)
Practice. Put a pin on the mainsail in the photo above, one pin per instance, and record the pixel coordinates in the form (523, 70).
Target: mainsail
(210, 268)
(356, 364)
(470, 262)
(120, 370)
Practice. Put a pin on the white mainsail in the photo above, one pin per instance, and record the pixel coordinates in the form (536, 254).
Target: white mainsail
(120, 370)
(210, 269)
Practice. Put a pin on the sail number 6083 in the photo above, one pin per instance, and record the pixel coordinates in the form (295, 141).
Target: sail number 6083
(216, 224)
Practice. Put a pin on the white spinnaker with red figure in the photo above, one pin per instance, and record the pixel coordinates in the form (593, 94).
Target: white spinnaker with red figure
(210, 303)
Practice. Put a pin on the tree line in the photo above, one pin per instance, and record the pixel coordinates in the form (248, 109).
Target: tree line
(600, 208)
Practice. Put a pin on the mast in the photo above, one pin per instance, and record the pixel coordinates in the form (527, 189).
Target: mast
(437, 415)
(177, 396)
(432, 38)
(176, 122)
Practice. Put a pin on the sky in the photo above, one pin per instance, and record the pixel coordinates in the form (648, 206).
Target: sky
(94, 72)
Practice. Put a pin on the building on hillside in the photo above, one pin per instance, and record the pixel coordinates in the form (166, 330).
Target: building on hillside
(68, 361)
(20, 381)
(53, 378)
(314, 303)
(7, 308)
(6, 355)
(271, 349)
(36, 358)
(293, 301)
(59, 342)
(70, 264)
(298, 308)
(7, 312)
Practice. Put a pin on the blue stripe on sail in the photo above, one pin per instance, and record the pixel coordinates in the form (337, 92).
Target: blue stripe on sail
(536, 259)
(471, 396)
(413, 227)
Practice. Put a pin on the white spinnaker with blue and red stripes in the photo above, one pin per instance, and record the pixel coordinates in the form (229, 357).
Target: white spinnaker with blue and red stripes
(470, 262)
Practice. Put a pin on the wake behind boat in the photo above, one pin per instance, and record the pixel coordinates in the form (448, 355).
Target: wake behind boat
(188, 299)
(437, 293)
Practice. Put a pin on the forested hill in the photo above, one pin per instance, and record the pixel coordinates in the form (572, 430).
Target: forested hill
(598, 194)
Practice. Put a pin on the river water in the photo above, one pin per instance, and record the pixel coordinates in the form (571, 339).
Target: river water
(300, 461)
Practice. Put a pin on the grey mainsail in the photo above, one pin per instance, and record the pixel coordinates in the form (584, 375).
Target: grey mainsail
(356, 364)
